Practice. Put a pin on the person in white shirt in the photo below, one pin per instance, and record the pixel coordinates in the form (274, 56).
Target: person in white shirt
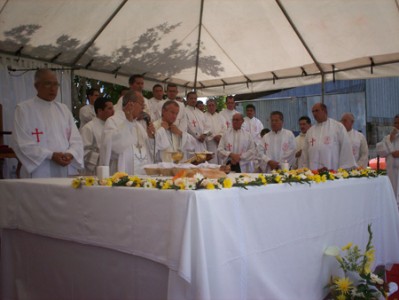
(252, 124)
(217, 126)
(171, 93)
(229, 111)
(200, 106)
(45, 137)
(196, 125)
(237, 148)
(125, 144)
(92, 134)
(389, 148)
(154, 102)
(327, 144)
(278, 146)
(304, 124)
(360, 149)
(169, 138)
(86, 112)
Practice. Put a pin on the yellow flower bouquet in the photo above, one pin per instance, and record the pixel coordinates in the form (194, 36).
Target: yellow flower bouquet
(358, 281)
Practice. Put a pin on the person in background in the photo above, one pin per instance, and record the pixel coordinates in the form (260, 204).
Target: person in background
(389, 148)
(157, 97)
(304, 125)
(252, 124)
(196, 125)
(264, 131)
(87, 113)
(171, 93)
(169, 138)
(217, 126)
(229, 111)
(237, 148)
(45, 138)
(200, 106)
(125, 144)
(278, 146)
(327, 143)
(360, 149)
(92, 134)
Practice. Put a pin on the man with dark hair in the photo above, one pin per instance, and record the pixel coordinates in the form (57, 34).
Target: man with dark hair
(45, 137)
(304, 125)
(196, 123)
(278, 146)
(87, 113)
(237, 148)
(327, 143)
(229, 111)
(169, 138)
(252, 124)
(92, 134)
(157, 98)
(126, 145)
(200, 105)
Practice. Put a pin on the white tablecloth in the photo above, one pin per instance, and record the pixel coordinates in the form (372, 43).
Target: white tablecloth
(261, 243)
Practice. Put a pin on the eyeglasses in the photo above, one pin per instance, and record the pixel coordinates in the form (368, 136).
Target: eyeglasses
(48, 84)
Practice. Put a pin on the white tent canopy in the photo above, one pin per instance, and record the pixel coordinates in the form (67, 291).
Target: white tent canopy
(216, 46)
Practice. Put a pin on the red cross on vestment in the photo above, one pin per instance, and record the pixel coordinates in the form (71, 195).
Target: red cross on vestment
(228, 124)
(36, 132)
(266, 146)
(194, 122)
(229, 146)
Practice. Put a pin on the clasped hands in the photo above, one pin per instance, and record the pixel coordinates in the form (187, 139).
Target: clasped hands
(172, 127)
(62, 159)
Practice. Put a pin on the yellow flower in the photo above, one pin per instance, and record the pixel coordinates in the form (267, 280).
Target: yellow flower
(341, 297)
(210, 186)
(76, 183)
(343, 285)
(278, 179)
(118, 175)
(347, 247)
(323, 178)
(89, 181)
(262, 179)
(317, 178)
(370, 255)
(166, 185)
(227, 183)
(108, 182)
(182, 186)
(331, 176)
(153, 182)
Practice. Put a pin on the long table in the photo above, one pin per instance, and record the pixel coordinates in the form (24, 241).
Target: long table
(128, 243)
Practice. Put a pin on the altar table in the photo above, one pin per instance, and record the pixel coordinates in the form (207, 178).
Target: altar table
(133, 243)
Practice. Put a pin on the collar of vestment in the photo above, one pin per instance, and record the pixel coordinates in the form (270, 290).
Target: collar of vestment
(43, 102)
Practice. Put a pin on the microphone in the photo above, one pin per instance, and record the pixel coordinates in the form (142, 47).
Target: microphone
(146, 117)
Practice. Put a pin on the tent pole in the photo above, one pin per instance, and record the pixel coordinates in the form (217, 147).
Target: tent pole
(322, 86)
(198, 45)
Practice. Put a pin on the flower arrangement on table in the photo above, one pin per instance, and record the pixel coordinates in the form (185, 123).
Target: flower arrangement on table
(198, 181)
(358, 281)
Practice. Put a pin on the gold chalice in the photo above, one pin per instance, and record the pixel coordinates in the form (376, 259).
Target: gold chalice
(177, 156)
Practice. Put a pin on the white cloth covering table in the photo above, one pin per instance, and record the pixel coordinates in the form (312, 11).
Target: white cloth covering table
(261, 243)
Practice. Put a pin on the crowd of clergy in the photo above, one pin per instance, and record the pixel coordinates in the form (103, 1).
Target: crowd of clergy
(137, 131)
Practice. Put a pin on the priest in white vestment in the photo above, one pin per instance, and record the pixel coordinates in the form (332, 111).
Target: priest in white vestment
(304, 124)
(45, 137)
(278, 146)
(168, 137)
(217, 126)
(389, 148)
(360, 149)
(229, 111)
(237, 147)
(125, 145)
(92, 134)
(327, 143)
(86, 112)
(196, 125)
(154, 102)
(252, 124)
(171, 93)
